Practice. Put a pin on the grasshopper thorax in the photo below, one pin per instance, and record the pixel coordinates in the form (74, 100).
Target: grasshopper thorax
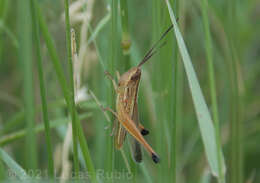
(130, 77)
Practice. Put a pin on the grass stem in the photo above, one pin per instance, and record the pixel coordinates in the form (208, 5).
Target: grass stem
(42, 89)
(25, 57)
(71, 89)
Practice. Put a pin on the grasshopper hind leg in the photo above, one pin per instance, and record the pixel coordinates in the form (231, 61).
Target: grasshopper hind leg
(137, 152)
(120, 135)
(143, 131)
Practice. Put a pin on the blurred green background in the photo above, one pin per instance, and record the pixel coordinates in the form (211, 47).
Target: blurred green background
(165, 103)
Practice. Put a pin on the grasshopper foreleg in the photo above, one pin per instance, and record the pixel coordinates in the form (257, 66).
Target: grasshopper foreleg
(112, 79)
(110, 110)
(117, 75)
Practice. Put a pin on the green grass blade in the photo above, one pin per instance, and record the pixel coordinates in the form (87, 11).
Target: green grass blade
(109, 164)
(25, 57)
(125, 37)
(236, 117)
(202, 112)
(53, 53)
(145, 172)
(42, 90)
(17, 169)
(12, 122)
(205, 177)
(4, 8)
(99, 27)
(2, 172)
(9, 33)
(71, 81)
(6, 139)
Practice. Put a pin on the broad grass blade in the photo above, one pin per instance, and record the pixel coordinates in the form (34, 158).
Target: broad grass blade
(203, 115)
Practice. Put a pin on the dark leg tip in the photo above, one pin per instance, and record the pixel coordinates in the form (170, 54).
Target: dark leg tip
(155, 158)
(138, 159)
(144, 132)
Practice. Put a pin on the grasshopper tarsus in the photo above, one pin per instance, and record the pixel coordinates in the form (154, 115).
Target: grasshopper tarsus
(138, 160)
(155, 158)
(107, 73)
(144, 132)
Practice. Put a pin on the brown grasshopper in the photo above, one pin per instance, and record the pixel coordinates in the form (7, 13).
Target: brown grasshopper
(127, 109)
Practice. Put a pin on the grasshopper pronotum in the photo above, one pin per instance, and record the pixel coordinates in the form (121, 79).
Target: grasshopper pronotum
(127, 109)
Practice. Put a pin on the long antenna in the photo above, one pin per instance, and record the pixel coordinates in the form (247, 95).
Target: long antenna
(152, 50)
(152, 53)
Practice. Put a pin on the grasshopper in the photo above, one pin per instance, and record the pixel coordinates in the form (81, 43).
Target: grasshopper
(127, 107)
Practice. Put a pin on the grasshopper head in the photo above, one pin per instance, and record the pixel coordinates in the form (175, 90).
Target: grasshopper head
(130, 77)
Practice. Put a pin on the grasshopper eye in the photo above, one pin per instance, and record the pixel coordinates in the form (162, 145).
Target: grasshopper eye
(135, 77)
